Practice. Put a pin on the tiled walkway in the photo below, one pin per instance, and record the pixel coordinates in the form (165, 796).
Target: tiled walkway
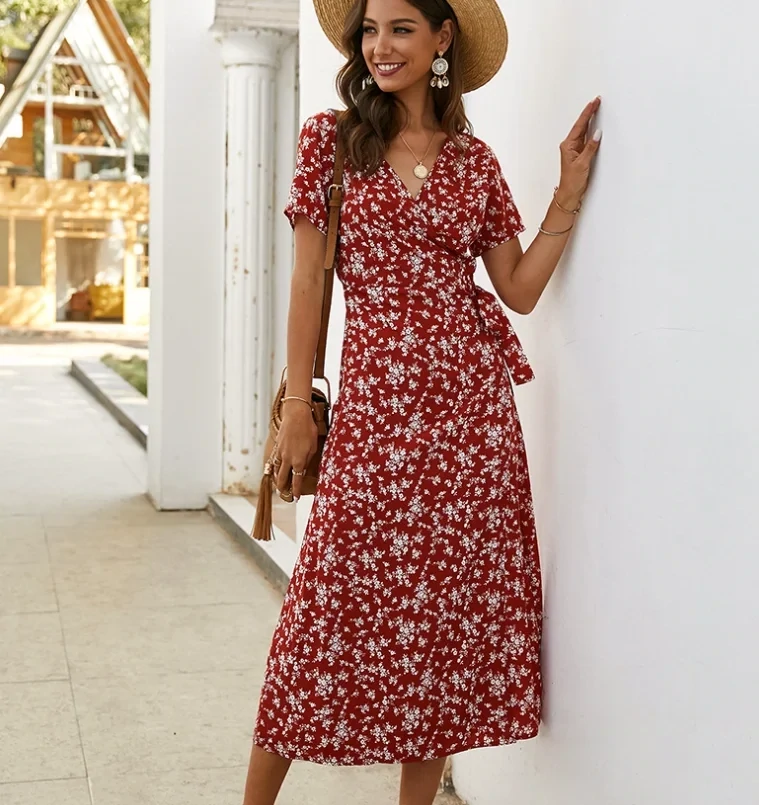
(132, 643)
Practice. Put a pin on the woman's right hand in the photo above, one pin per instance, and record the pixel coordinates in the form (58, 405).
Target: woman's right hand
(296, 446)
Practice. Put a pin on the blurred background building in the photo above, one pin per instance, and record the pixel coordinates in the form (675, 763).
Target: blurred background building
(74, 163)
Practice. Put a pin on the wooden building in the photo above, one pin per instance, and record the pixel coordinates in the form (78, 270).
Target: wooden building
(74, 164)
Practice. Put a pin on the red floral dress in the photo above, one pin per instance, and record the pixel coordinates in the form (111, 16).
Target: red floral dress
(412, 625)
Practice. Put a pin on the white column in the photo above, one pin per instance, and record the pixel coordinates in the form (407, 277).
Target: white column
(251, 59)
(51, 157)
(287, 142)
(187, 255)
(129, 162)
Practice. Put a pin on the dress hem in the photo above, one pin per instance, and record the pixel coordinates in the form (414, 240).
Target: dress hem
(318, 758)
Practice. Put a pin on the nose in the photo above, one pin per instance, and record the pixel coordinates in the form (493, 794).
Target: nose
(383, 46)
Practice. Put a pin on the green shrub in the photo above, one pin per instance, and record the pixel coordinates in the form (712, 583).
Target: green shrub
(134, 370)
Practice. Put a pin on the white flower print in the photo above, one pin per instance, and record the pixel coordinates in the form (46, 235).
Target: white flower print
(412, 625)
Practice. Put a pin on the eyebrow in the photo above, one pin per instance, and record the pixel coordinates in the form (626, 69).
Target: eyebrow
(393, 22)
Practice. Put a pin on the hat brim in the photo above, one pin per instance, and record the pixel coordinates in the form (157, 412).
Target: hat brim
(482, 30)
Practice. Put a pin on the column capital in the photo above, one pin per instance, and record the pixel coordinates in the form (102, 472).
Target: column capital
(241, 15)
(255, 47)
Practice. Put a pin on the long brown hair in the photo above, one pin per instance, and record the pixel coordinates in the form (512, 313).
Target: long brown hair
(373, 118)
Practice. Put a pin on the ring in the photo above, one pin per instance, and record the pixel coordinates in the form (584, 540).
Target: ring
(295, 472)
(287, 496)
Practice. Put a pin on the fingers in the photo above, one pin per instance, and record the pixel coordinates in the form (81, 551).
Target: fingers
(591, 147)
(580, 128)
(289, 477)
(282, 477)
(291, 457)
(298, 474)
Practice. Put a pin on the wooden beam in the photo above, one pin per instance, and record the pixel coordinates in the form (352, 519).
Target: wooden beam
(48, 252)
(31, 196)
(12, 251)
(114, 31)
(130, 266)
(92, 150)
(84, 235)
(51, 165)
(131, 100)
(72, 102)
(70, 61)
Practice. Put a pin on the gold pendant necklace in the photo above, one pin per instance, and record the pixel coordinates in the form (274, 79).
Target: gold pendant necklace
(421, 171)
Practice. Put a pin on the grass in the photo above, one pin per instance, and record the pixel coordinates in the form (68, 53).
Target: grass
(134, 370)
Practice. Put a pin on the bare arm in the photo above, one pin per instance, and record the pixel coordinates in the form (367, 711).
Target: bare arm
(520, 279)
(298, 434)
(304, 317)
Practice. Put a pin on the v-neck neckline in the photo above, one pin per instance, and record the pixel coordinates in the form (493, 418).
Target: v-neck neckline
(394, 173)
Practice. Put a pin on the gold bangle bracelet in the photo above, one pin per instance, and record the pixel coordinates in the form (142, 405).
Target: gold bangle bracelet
(556, 234)
(300, 399)
(564, 209)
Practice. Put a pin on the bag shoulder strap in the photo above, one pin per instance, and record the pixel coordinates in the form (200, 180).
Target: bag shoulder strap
(335, 201)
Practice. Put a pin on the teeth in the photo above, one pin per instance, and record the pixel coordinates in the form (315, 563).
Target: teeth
(388, 68)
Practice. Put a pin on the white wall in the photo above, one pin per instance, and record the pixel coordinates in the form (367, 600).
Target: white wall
(287, 136)
(641, 426)
(187, 255)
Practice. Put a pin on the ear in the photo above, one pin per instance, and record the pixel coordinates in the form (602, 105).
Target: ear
(446, 36)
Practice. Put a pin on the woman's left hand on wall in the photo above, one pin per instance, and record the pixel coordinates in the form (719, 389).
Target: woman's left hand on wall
(577, 154)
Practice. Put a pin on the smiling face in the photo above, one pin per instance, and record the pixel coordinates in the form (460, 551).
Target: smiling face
(399, 44)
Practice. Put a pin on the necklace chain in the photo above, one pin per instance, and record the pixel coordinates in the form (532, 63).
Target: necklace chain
(426, 153)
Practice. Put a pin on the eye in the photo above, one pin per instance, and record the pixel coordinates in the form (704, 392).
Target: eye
(402, 30)
(368, 29)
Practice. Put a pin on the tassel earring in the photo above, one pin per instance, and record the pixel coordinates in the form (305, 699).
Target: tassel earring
(367, 82)
(440, 70)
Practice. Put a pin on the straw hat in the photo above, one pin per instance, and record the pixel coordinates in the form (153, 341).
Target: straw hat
(482, 30)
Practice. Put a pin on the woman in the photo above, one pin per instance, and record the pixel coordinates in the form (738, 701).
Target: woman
(411, 629)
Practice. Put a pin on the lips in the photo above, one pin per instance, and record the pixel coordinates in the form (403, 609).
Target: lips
(388, 69)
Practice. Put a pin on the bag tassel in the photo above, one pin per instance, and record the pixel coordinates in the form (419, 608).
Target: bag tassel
(263, 530)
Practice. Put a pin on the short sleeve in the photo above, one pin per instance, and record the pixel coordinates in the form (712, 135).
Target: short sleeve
(501, 221)
(314, 169)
